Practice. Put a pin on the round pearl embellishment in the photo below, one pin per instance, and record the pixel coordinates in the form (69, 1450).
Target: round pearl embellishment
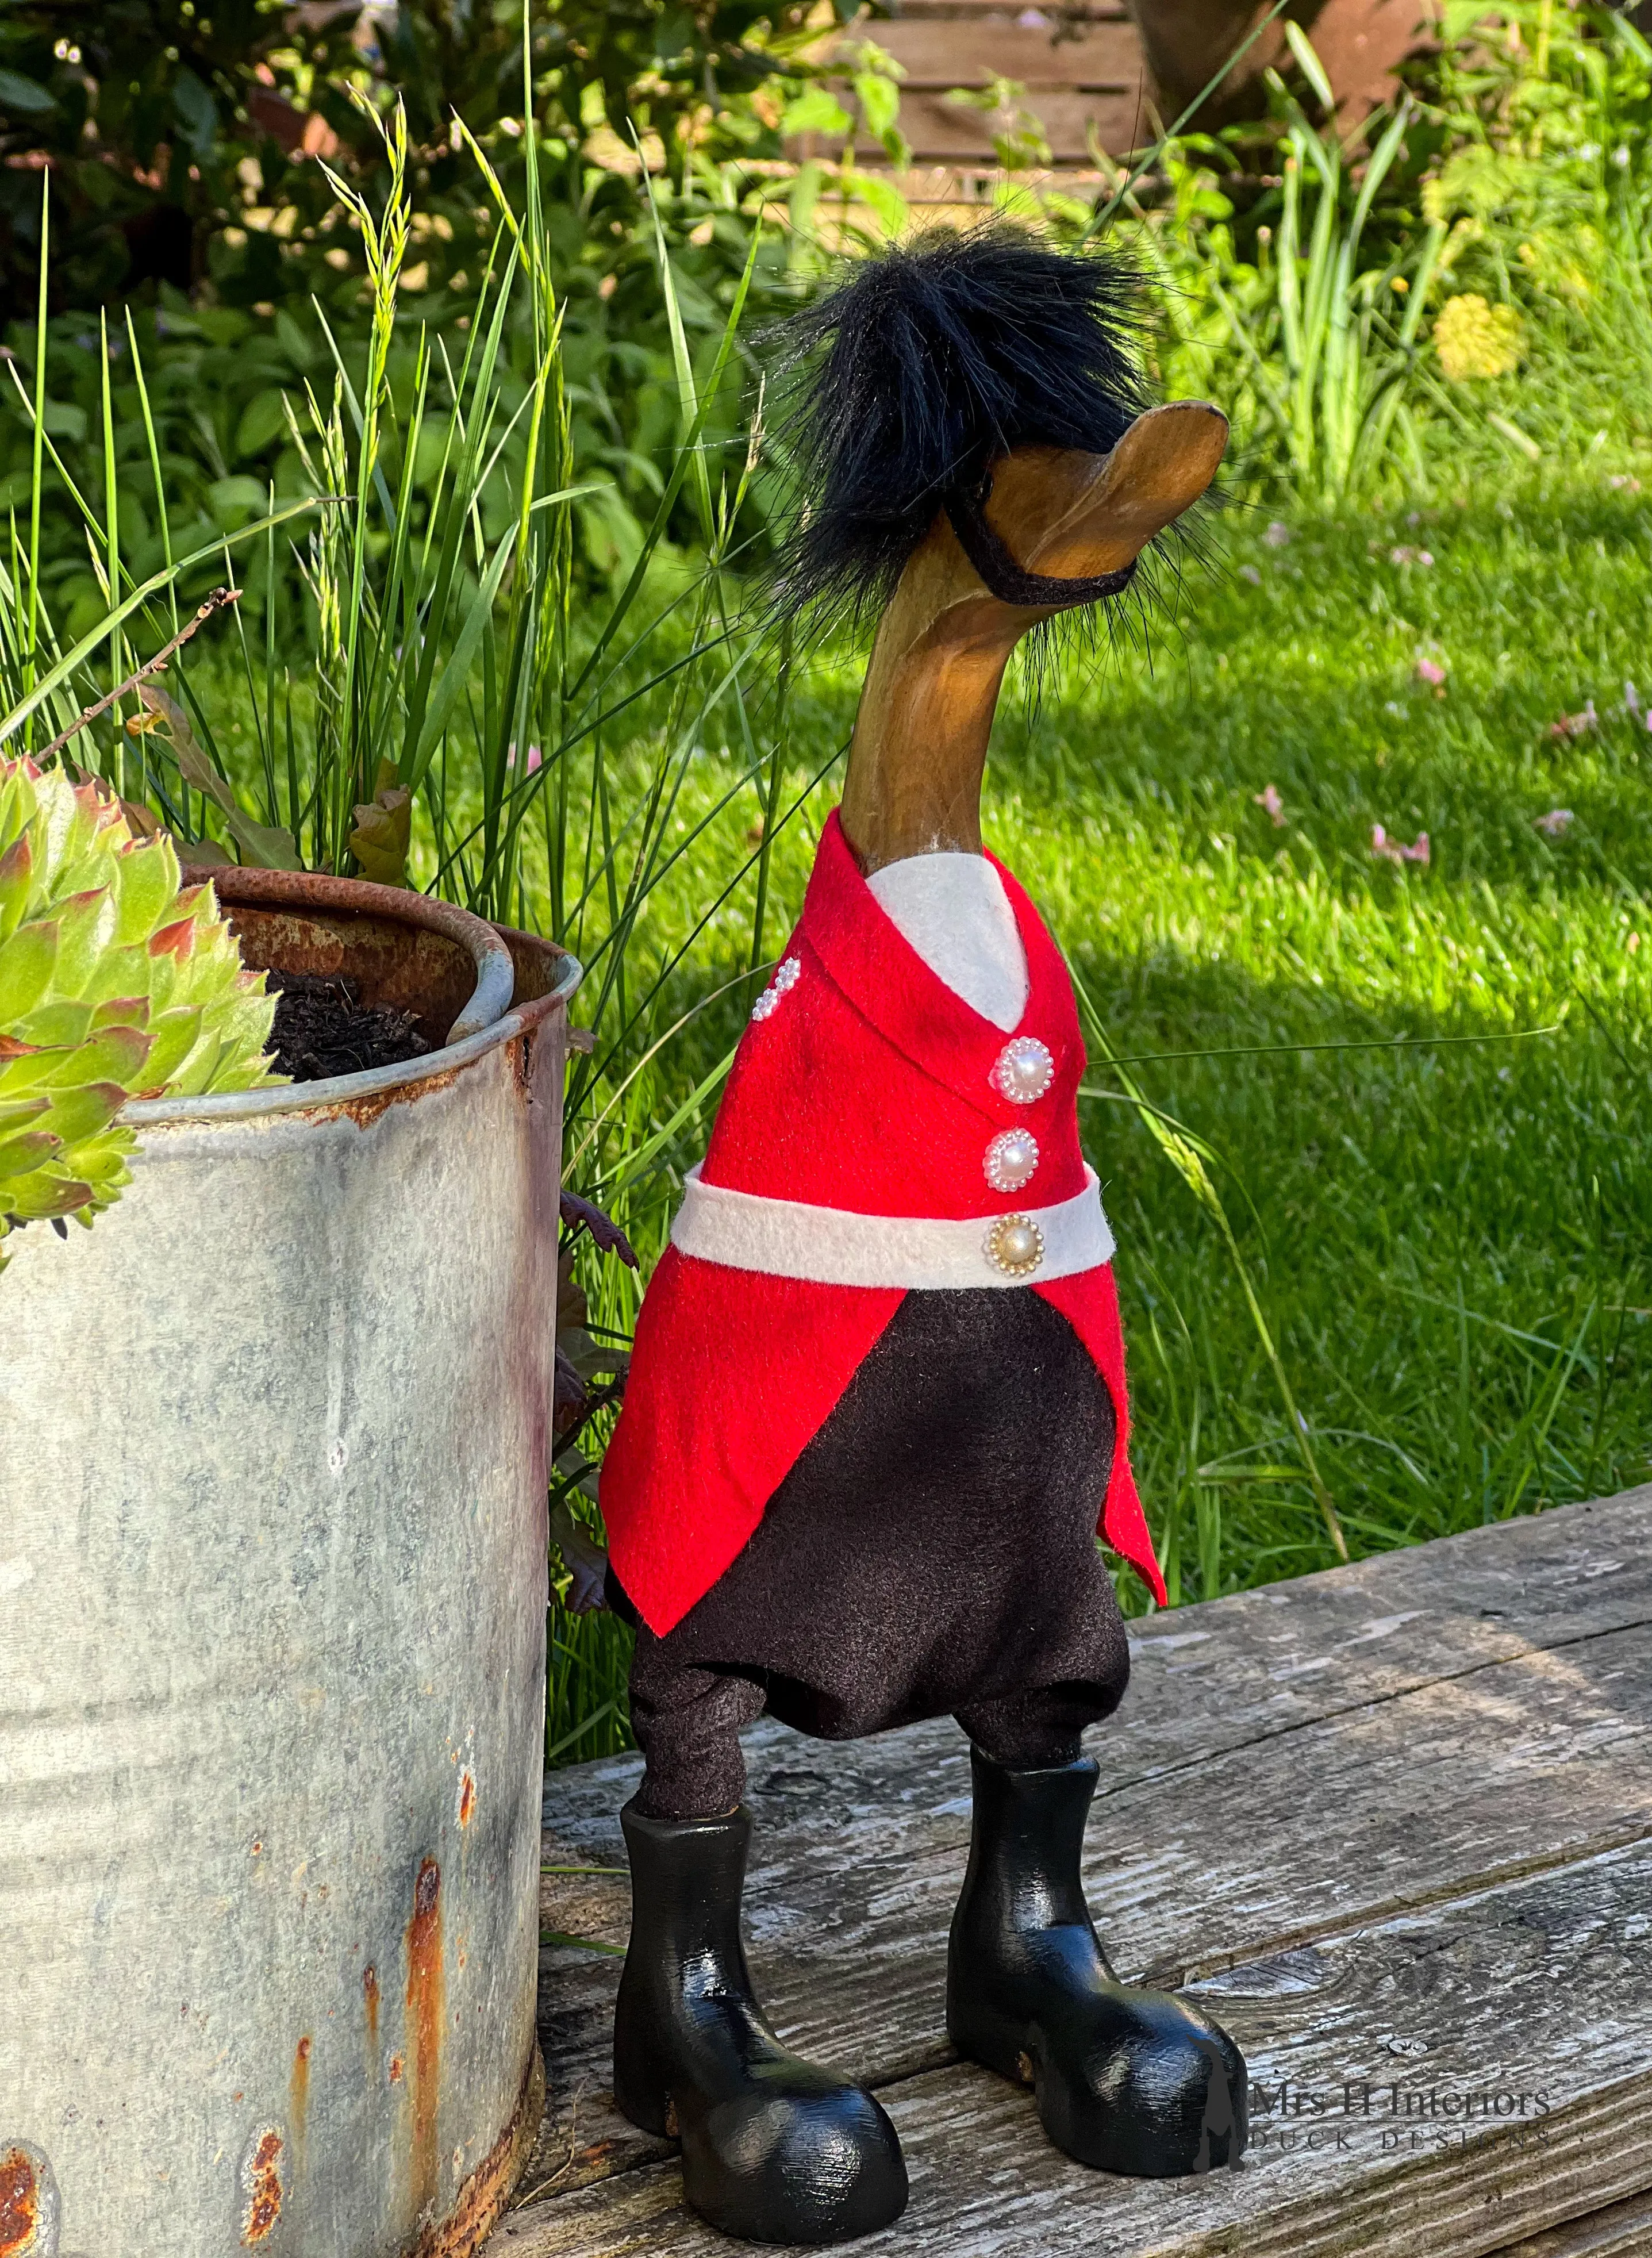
(784, 982)
(1011, 1159)
(1023, 1070)
(1014, 1246)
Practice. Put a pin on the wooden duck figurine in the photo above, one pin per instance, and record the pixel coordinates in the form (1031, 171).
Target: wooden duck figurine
(876, 1411)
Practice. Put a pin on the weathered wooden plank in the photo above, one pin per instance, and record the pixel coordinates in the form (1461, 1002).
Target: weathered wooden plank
(995, 11)
(1441, 2084)
(1623, 2230)
(1104, 57)
(942, 133)
(1509, 1723)
(1261, 1852)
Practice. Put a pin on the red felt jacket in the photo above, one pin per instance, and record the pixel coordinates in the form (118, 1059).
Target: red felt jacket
(865, 1086)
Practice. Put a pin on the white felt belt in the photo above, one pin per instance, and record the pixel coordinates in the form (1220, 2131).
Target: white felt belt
(837, 1247)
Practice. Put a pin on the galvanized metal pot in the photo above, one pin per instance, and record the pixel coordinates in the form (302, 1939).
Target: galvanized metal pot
(273, 1589)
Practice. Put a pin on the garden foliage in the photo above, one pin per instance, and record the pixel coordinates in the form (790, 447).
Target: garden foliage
(115, 982)
(469, 424)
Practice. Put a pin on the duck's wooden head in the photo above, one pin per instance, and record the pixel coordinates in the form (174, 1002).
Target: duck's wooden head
(973, 452)
(925, 715)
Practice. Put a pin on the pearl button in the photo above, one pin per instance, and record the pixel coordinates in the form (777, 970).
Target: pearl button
(1011, 1159)
(780, 987)
(1014, 1245)
(1023, 1070)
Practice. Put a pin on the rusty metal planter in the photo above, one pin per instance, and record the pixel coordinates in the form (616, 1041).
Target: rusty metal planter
(273, 1584)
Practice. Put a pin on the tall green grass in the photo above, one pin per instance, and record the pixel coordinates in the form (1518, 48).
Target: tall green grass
(449, 700)
(1519, 172)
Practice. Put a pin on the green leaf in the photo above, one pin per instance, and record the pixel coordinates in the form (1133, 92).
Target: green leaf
(121, 1012)
(1310, 64)
(20, 1112)
(17, 871)
(116, 1055)
(85, 927)
(817, 109)
(880, 101)
(263, 844)
(147, 880)
(264, 418)
(457, 674)
(172, 1037)
(196, 111)
(21, 1155)
(232, 500)
(26, 962)
(53, 1026)
(78, 1114)
(122, 972)
(23, 95)
(36, 1198)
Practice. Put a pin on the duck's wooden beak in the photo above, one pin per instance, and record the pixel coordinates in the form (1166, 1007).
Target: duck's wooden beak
(913, 785)
(1072, 517)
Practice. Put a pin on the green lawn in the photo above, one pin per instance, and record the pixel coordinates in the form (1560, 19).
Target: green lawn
(1452, 1241)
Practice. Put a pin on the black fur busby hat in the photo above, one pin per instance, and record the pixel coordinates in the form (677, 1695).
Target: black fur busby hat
(902, 386)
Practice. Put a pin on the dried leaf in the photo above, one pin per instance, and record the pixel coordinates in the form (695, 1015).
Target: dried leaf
(384, 830)
(581, 1215)
(264, 845)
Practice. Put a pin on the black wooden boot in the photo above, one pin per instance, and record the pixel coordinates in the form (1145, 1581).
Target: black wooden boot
(775, 2149)
(1127, 2080)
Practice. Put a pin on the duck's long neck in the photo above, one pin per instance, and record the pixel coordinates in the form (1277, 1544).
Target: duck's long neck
(913, 785)
(919, 750)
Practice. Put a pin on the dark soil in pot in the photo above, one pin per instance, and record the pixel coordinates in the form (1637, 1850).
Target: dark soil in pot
(323, 1028)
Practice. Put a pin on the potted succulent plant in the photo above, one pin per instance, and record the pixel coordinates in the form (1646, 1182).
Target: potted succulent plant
(272, 1549)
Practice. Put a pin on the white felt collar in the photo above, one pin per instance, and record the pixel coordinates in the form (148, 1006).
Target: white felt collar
(954, 911)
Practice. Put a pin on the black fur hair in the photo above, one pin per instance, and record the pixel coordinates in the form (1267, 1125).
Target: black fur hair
(903, 383)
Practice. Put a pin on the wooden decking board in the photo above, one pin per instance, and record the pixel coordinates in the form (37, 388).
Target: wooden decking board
(1302, 1783)
(1512, 1992)
(1623, 2230)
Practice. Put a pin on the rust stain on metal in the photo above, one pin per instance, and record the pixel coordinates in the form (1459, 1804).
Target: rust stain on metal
(467, 1797)
(426, 2013)
(481, 2202)
(19, 2203)
(261, 2179)
(370, 2000)
(363, 1111)
(299, 2111)
(396, 2067)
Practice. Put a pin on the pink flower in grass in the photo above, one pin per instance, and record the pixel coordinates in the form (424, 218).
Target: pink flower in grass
(1431, 672)
(534, 759)
(1395, 850)
(1269, 798)
(1576, 725)
(1555, 824)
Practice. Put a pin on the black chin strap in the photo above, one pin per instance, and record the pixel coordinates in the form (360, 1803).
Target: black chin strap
(1005, 578)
